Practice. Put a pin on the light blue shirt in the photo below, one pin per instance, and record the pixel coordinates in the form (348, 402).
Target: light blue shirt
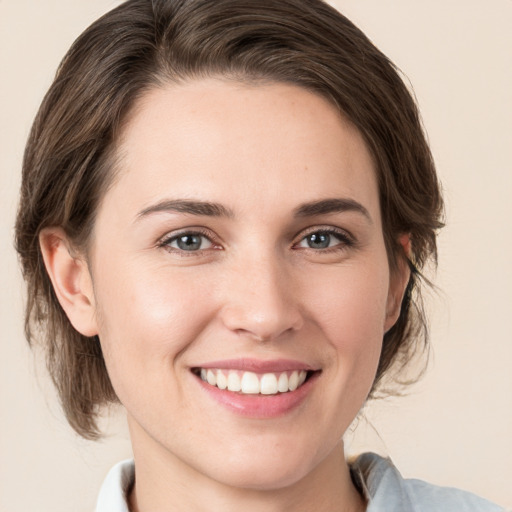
(387, 491)
(377, 477)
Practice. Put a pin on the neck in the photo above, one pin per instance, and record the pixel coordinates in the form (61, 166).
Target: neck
(168, 484)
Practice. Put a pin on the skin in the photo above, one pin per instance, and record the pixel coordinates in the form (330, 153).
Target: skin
(254, 289)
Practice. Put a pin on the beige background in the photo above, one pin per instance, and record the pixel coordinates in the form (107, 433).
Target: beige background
(455, 428)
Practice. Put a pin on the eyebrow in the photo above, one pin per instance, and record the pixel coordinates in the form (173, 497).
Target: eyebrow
(209, 209)
(190, 207)
(334, 205)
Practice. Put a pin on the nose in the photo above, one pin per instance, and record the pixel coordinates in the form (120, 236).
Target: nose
(261, 300)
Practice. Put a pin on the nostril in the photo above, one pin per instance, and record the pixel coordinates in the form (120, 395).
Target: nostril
(261, 336)
(261, 327)
(263, 309)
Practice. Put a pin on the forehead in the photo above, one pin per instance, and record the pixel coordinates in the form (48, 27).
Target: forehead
(242, 143)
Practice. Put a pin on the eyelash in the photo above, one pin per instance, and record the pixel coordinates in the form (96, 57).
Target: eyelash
(165, 243)
(345, 241)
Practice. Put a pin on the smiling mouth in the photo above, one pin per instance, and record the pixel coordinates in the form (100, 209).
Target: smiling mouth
(251, 383)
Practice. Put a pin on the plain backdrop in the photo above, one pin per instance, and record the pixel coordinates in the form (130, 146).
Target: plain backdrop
(455, 427)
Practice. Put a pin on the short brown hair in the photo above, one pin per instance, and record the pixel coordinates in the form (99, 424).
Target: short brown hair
(69, 157)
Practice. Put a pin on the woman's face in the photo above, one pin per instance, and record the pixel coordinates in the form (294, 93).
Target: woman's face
(241, 246)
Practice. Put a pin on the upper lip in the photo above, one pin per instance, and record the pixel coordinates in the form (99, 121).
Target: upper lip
(257, 365)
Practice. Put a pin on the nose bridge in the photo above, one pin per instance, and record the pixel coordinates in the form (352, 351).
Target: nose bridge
(260, 299)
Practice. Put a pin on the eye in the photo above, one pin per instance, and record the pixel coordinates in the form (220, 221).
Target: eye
(189, 242)
(325, 239)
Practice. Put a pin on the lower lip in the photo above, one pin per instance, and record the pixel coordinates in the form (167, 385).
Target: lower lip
(260, 406)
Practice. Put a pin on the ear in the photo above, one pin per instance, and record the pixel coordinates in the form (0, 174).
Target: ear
(71, 280)
(399, 279)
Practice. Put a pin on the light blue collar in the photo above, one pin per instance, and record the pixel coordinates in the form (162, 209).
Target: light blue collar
(377, 478)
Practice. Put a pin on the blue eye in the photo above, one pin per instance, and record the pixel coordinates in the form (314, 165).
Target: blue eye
(319, 240)
(189, 242)
(324, 239)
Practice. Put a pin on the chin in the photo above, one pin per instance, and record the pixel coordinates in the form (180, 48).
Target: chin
(265, 469)
(266, 478)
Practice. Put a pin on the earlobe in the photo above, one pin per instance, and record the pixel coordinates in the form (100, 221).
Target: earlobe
(71, 280)
(399, 280)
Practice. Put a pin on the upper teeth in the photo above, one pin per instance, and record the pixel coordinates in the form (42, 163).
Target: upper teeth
(253, 383)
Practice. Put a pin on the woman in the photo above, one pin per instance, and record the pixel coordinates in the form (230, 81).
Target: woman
(225, 209)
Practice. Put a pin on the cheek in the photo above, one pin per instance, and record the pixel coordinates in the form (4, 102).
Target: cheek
(351, 312)
(147, 317)
(352, 304)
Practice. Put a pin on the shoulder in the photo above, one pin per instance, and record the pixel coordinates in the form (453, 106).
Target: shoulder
(432, 497)
(386, 490)
(115, 488)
